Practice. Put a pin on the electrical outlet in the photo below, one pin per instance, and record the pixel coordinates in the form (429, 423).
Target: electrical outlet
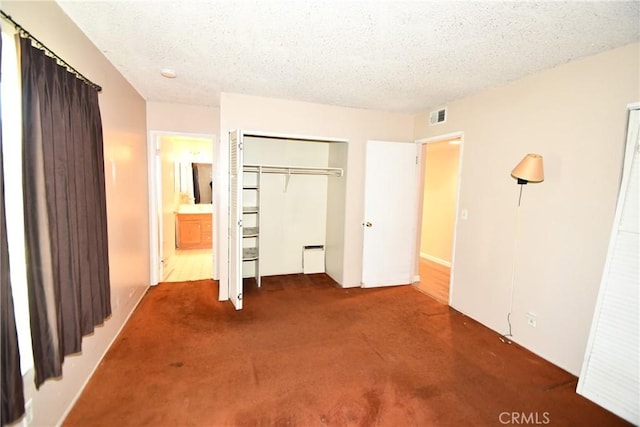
(532, 319)
(28, 412)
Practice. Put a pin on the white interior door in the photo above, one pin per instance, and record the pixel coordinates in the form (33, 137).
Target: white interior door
(390, 213)
(235, 218)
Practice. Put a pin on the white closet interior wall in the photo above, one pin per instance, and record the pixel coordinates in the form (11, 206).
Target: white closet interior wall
(336, 209)
(291, 216)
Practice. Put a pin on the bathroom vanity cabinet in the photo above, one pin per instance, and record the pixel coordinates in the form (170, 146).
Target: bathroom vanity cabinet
(193, 230)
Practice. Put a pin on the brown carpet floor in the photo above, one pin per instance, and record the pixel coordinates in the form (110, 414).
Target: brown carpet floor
(305, 352)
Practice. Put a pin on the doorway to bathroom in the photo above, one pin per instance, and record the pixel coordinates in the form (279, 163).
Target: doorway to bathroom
(439, 194)
(182, 214)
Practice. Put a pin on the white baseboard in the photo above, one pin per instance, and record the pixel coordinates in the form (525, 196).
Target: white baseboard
(435, 259)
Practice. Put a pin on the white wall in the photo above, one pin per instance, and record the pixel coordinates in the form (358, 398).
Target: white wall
(182, 118)
(301, 118)
(336, 208)
(293, 217)
(123, 119)
(574, 116)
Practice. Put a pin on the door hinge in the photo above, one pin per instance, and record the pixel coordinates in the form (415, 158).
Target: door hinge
(240, 146)
(239, 223)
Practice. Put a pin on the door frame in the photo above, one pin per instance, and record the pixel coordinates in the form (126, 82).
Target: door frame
(458, 210)
(221, 207)
(155, 195)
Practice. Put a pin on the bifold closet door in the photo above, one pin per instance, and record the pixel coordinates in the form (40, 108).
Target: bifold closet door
(235, 218)
(390, 213)
(610, 372)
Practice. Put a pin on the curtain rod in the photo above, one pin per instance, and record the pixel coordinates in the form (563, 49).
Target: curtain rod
(26, 34)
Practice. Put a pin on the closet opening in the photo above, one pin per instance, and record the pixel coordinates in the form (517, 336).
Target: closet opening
(181, 177)
(287, 197)
(438, 201)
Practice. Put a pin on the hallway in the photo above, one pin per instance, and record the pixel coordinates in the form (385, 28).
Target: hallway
(434, 280)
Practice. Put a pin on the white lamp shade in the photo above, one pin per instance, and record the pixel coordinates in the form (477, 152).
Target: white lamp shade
(529, 169)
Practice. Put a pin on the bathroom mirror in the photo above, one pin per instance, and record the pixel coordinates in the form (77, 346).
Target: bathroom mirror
(202, 182)
(195, 181)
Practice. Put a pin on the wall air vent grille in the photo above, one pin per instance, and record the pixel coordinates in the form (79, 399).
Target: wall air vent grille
(438, 116)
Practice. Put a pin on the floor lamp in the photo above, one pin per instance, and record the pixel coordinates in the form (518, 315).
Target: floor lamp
(530, 169)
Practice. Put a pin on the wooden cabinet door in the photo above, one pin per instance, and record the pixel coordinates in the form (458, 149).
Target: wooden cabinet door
(189, 233)
(194, 231)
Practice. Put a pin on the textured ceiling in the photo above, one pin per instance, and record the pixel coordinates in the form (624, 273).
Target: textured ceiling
(400, 56)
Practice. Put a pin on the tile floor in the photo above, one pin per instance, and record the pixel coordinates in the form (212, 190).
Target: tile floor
(189, 264)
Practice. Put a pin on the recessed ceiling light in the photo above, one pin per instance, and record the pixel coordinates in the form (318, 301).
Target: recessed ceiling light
(168, 73)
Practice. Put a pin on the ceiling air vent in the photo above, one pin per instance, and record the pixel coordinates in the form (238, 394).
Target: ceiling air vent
(438, 116)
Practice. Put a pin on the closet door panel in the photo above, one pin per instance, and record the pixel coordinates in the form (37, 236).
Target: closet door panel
(235, 218)
(610, 372)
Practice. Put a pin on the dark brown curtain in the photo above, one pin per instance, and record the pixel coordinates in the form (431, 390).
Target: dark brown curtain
(12, 391)
(65, 210)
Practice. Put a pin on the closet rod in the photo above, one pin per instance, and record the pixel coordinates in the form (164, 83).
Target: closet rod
(293, 170)
(38, 44)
